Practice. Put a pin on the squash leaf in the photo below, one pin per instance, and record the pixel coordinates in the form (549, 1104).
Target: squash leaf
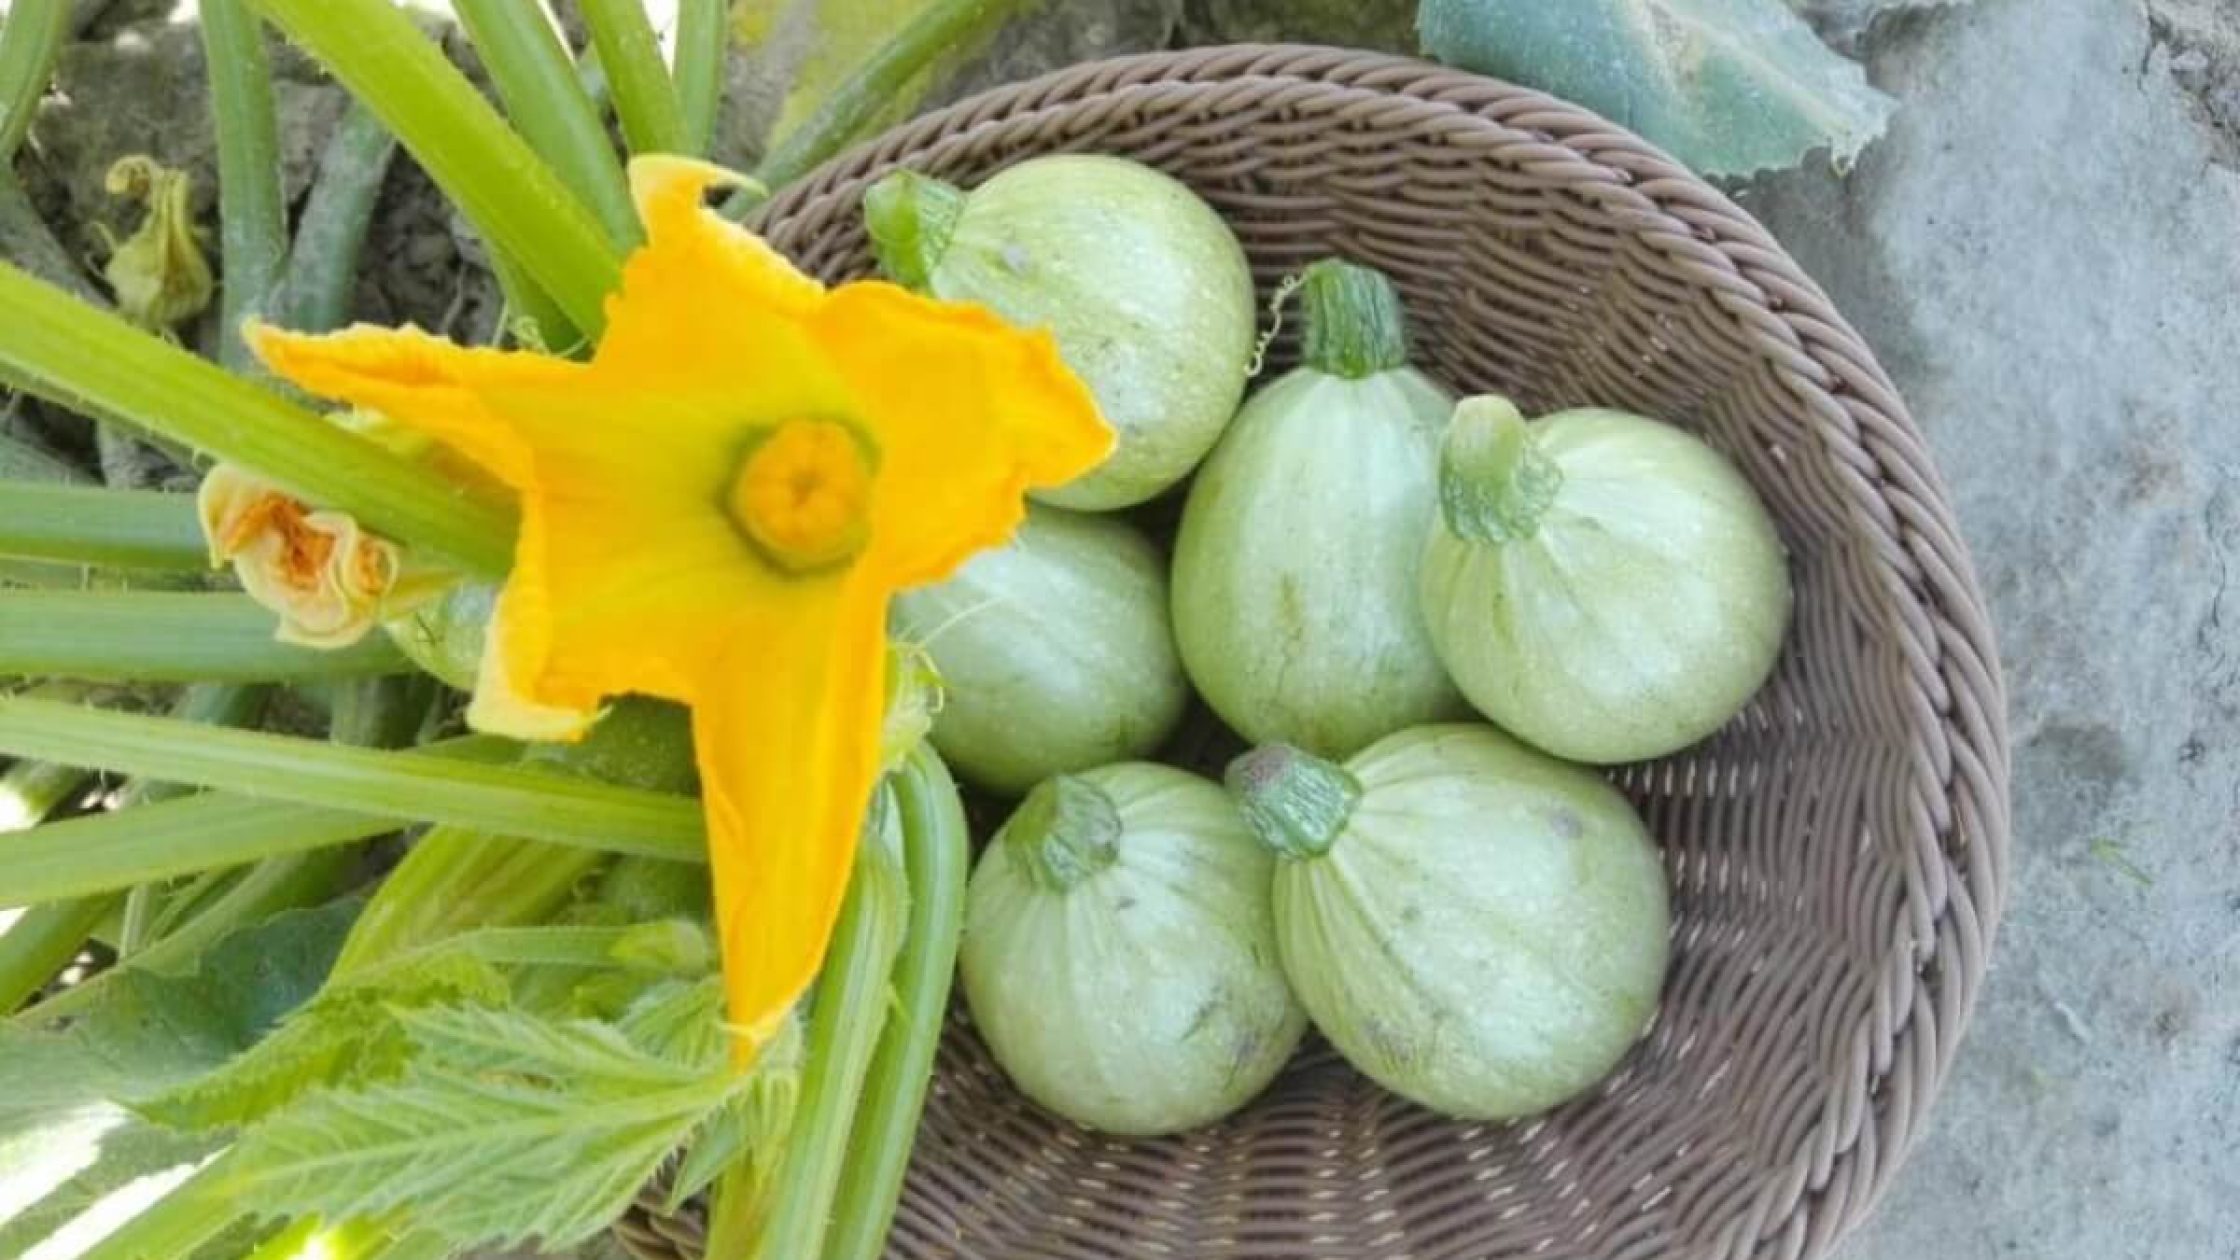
(504, 1125)
(348, 1034)
(67, 1141)
(1730, 87)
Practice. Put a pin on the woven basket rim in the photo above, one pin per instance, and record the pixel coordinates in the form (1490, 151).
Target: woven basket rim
(1896, 499)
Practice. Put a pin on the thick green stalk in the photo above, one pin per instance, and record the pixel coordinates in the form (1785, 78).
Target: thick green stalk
(550, 327)
(703, 49)
(644, 98)
(400, 786)
(167, 636)
(937, 860)
(62, 349)
(536, 78)
(84, 525)
(104, 852)
(322, 272)
(840, 121)
(511, 196)
(42, 941)
(36, 944)
(29, 41)
(45, 937)
(176, 1225)
(456, 879)
(847, 1014)
(148, 907)
(252, 210)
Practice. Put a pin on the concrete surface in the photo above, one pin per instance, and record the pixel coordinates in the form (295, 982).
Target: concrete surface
(2046, 253)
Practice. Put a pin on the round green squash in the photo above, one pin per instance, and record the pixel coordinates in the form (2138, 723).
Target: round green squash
(1295, 603)
(1474, 925)
(1603, 586)
(1143, 286)
(1053, 650)
(1119, 953)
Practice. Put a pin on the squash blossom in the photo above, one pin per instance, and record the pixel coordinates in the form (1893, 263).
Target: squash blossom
(716, 509)
(329, 579)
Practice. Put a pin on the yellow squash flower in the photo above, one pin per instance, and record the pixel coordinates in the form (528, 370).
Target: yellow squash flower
(716, 509)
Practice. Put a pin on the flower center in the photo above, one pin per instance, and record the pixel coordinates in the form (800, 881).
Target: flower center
(802, 496)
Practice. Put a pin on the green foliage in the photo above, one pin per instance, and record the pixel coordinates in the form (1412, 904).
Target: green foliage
(65, 1138)
(351, 1033)
(504, 1125)
(1729, 87)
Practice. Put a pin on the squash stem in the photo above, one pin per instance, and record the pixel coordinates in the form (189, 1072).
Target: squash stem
(252, 206)
(911, 218)
(937, 860)
(1065, 831)
(322, 270)
(1354, 326)
(30, 40)
(1295, 802)
(846, 1016)
(1495, 483)
(703, 46)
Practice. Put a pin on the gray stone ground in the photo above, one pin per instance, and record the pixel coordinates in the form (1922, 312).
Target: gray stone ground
(2045, 252)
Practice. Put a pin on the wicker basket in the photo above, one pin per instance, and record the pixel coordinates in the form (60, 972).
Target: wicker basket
(1838, 854)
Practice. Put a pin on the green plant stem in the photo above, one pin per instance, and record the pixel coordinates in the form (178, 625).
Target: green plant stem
(108, 851)
(841, 119)
(536, 78)
(37, 944)
(176, 1225)
(252, 211)
(29, 42)
(849, 1009)
(46, 937)
(512, 197)
(400, 786)
(937, 860)
(703, 49)
(644, 97)
(322, 271)
(85, 359)
(147, 908)
(167, 636)
(42, 941)
(82, 525)
(525, 301)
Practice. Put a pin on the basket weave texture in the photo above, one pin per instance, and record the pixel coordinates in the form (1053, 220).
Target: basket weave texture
(1838, 855)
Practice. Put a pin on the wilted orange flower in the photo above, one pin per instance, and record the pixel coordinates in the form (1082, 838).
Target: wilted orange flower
(716, 509)
(329, 580)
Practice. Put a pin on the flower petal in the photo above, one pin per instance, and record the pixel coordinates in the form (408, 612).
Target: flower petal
(705, 301)
(968, 414)
(787, 734)
(417, 379)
